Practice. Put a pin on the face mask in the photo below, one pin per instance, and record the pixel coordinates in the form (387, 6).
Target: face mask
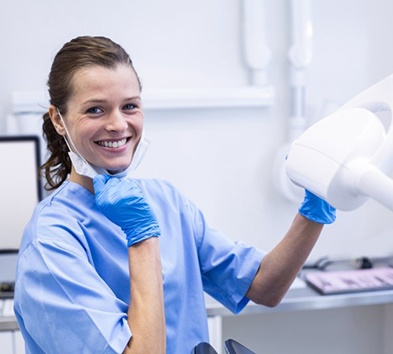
(82, 167)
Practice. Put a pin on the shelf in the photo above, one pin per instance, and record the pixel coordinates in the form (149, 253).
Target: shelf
(166, 99)
(307, 299)
(8, 323)
(249, 96)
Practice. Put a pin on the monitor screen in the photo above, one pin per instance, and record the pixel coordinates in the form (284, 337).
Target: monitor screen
(20, 187)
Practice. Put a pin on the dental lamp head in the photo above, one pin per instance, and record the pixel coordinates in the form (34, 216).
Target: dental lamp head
(345, 157)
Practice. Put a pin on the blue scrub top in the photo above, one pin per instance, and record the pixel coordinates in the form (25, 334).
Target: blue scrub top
(72, 283)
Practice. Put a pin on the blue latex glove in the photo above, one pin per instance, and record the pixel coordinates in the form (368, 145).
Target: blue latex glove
(316, 209)
(122, 202)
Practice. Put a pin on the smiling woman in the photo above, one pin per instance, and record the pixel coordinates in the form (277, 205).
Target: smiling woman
(117, 264)
(99, 96)
(103, 122)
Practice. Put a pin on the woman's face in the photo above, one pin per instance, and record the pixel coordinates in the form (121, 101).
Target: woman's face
(104, 115)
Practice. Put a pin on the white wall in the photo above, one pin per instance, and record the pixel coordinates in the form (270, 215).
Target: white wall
(222, 159)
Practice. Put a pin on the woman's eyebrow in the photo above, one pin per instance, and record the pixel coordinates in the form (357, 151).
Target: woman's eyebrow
(103, 100)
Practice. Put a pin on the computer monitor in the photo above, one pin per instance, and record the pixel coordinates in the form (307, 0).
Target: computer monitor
(20, 187)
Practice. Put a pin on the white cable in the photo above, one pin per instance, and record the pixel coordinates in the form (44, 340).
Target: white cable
(257, 54)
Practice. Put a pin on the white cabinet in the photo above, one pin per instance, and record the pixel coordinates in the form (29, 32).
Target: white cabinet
(6, 342)
(12, 342)
(19, 343)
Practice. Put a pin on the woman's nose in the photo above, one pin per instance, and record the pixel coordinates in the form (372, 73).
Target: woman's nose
(116, 122)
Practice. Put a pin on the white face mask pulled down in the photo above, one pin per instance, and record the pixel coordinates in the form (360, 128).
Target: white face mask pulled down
(84, 168)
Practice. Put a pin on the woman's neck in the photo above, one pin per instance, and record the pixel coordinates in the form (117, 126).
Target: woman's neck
(84, 181)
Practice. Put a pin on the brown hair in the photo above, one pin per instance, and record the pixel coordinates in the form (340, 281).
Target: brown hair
(78, 53)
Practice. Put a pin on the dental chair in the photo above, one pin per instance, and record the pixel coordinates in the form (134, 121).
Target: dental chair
(231, 347)
(203, 348)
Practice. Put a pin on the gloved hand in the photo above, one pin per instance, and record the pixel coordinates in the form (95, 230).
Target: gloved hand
(316, 209)
(122, 202)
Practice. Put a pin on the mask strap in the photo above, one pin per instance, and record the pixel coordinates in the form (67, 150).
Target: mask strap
(68, 136)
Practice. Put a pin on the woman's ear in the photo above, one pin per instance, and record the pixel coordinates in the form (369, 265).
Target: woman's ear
(56, 120)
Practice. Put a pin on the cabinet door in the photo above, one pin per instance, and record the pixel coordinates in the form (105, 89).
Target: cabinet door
(6, 342)
(19, 343)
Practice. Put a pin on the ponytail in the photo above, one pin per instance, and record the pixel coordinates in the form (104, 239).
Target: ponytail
(58, 166)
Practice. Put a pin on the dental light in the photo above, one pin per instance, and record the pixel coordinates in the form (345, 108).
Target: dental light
(345, 157)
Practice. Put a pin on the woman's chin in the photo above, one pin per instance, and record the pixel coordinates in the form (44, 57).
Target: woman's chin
(115, 172)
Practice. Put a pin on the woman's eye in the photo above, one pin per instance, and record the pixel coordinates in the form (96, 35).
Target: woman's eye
(129, 106)
(94, 110)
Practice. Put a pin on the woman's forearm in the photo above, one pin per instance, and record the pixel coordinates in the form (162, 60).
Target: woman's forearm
(146, 316)
(280, 266)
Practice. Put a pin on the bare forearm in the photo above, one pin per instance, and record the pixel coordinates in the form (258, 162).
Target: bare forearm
(146, 312)
(279, 267)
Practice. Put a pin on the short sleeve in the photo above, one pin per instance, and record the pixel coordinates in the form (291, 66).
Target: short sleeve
(79, 313)
(228, 267)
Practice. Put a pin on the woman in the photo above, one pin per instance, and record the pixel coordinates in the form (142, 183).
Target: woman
(118, 265)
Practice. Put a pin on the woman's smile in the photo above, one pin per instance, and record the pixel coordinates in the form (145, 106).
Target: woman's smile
(113, 144)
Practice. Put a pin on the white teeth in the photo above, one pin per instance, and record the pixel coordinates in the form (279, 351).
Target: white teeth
(113, 144)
